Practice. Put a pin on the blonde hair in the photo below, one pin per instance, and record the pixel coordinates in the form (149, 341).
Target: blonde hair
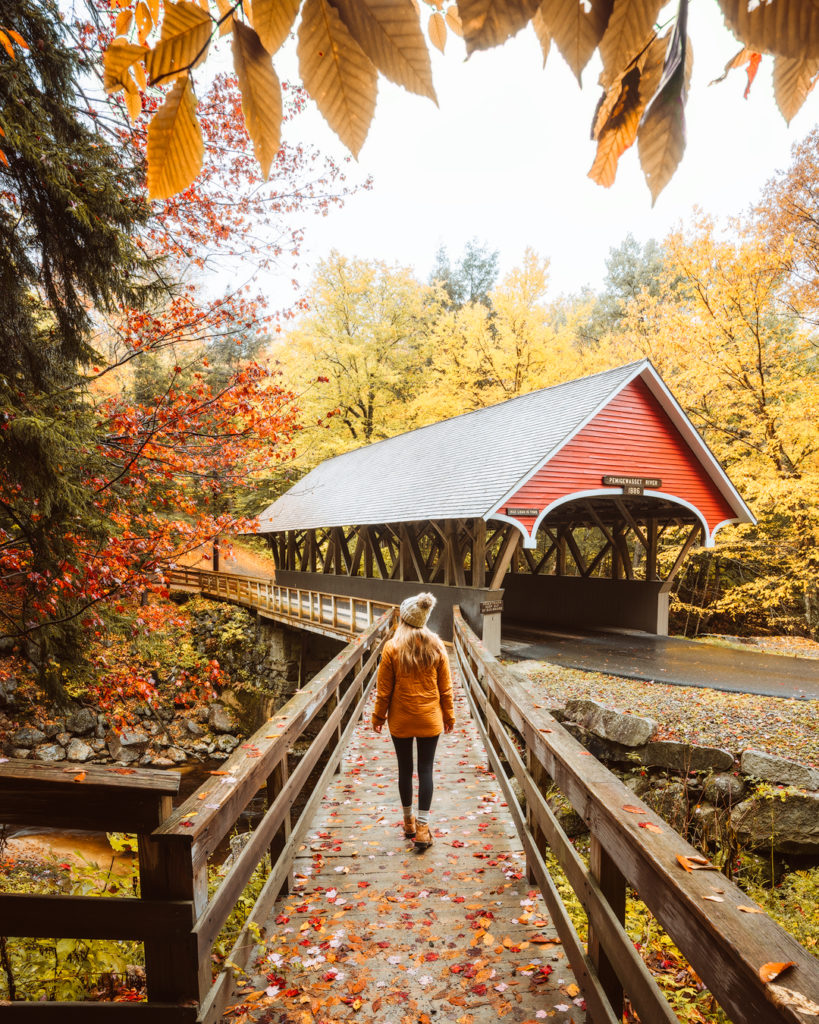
(416, 647)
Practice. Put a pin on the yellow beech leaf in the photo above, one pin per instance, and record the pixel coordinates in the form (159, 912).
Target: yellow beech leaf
(630, 26)
(261, 94)
(389, 32)
(175, 147)
(226, 19)
(337, 73)
(144, 21)
(544, 36)
(576, 28)
(133, 102)
(436, 30)
(118, 58)
(453, 19)
(619, 133)
(273, 20)
(183, 42)
(488, 23)
(153, 7)
(787, 28)
(123, 23)
(793, 79)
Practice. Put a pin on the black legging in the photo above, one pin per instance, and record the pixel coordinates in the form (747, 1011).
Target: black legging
(426, 757)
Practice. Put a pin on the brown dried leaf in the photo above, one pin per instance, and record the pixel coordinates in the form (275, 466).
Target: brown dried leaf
(543, 34)
(183, 42)
(453, 19)
(225, 8)
(751, 910)
(632, 809)
(118, 58)
(576, 32)
(273, 20)
(631, 24)
(787, 28)
(793, 79)
(436, 30)
(771, 971)
(337, 73)
(488, 23)
(714, 899)
(261, 94)
(619, 133)
(175, 147)
(389, 32)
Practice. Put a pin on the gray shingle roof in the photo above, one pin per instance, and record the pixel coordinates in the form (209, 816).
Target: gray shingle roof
(458, 468)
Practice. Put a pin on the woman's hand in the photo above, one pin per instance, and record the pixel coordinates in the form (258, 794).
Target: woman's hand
(377, 726)
(450, 727)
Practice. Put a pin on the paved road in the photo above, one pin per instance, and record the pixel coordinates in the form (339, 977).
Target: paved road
(668, 660)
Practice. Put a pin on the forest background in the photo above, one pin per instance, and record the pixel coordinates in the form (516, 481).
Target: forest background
(143, 415)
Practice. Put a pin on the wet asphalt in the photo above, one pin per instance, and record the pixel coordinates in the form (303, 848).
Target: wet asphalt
(666, 659)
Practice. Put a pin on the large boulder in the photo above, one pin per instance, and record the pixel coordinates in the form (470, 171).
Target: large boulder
(28, 737)
(77, 750)
(81, 721)
(227, 743)
(608, 724)
(685, 757)
(779, 770)
(129, 745)
(724, 789)
(787, 821)
(222, 719)
(49, 752)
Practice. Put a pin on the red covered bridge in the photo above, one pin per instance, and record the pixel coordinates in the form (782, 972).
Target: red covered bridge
(573, 505)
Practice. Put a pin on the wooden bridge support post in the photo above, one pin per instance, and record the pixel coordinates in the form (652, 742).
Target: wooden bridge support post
(276, 782)
(174, 971)
(613, 886)
(542, 781)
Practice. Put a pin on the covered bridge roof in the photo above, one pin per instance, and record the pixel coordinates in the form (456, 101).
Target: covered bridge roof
(469, 466)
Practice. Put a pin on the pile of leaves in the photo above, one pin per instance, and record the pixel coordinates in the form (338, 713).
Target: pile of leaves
(694, 714)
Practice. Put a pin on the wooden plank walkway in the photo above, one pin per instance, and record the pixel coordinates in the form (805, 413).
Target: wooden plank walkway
(375, 931)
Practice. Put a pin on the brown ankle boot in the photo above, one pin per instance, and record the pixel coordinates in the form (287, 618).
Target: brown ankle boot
(423, 836)
(409, 828)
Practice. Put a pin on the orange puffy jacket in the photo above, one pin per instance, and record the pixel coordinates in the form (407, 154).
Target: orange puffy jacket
(417, 703)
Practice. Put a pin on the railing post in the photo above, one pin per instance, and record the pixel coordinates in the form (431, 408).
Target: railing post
(613, 885)
(275, 784)
(173, 969)
(369, 613)
(334, 606)
(541, 780)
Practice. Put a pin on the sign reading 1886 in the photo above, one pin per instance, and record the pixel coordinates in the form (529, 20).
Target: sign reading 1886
(633, 484)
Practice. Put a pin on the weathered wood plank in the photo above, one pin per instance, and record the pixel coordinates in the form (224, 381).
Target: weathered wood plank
(80, 1012)
(92, 917)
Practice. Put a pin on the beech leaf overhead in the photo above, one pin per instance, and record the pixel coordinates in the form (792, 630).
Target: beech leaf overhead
(453, 19)
(619, 131)
(488, 23)
(273, 20)
(661, 135)
(793, 79)
(787, 28)
(631, 23)
(389, 32)
(183, 42)
(261, 94)
(436, 29)
(337, 73)
(175, 147)
(576, 28)
(544, 36)
(118, 58)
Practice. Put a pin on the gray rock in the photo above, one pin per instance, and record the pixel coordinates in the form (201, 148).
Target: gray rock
(200, 748)
(97, 745)
(227, 743)
(7, 689)
(77, 750)
(710, 822)
(81, 721)
(608, 724)
(28, 737)
(201, 714)
(686, 757)
(21, 752)
(788, 822)
(194, 728)
(162, 762)
(153, 728)
(724, 789)
(128, 746)
(146, 760)
(176, 755)
(49, 752)
(51, 729)
(63, 738)
(779, 770)
(218, 756)
(638, 784)
(221, 719)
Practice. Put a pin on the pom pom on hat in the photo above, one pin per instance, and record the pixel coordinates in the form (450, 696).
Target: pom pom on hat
(415, 610)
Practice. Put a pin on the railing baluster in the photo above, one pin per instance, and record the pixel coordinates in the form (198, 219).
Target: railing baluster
(275, 784)
(613, 886)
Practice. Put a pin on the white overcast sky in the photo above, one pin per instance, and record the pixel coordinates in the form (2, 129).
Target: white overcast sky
(504, 158)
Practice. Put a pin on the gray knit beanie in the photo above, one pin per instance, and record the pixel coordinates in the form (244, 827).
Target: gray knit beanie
(415, 610)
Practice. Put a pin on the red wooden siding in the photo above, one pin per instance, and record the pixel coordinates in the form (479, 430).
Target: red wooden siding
(631, 436)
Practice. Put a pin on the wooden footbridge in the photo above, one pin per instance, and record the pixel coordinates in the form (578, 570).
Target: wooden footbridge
(350, 922)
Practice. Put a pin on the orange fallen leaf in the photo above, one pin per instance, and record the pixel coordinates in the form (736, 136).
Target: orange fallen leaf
(124, 771)
(219, 773)
(632, 809)
(201, 796)
(751, 910)
(79, 777)
(767, 972)
(572, 990)
(649, 826)
(683, 862)
(714, 899)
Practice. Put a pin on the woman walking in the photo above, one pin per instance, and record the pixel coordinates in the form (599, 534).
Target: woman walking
(415, 697)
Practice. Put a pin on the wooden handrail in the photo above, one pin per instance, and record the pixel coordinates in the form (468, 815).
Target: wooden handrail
(725, 947)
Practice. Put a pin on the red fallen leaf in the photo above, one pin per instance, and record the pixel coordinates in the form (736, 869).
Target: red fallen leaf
(545, 730)
(124, 771)
(290, 992)
(632, 809)
(457, 842)
(650, 826)
(767, 972)
(456, 968)
(479, 990)
(377, 1004)
(187, 824)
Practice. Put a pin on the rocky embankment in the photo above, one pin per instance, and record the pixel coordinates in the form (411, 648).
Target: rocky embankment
(750, 798)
